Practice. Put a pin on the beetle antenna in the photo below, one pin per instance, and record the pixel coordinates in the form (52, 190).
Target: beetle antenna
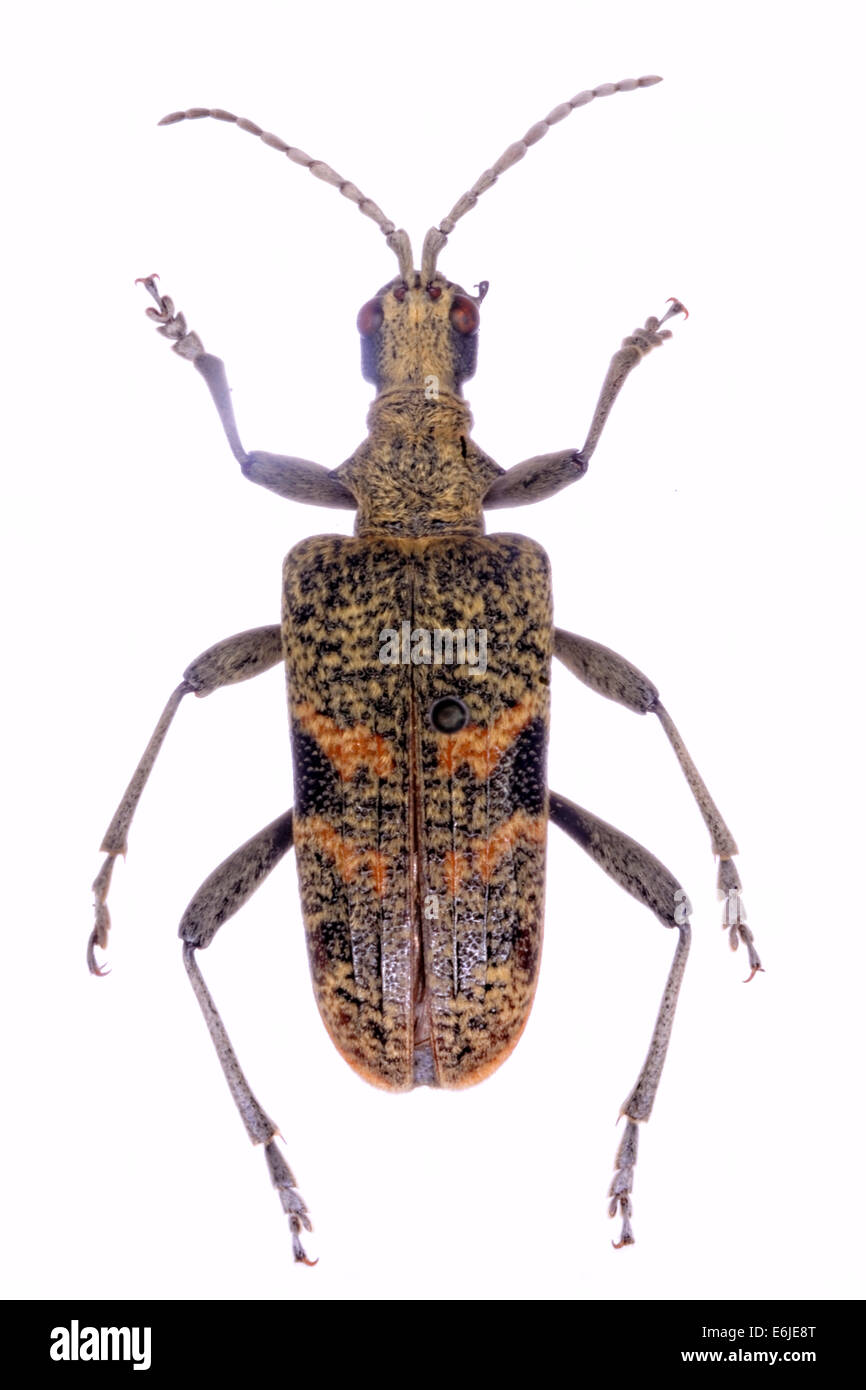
(396, 238)
(437, 236)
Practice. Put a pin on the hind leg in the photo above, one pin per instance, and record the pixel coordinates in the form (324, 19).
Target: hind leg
(647, 879)
(218, 899)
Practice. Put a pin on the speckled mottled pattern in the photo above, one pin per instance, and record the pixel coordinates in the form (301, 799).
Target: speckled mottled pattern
(421, 804)
(420, 854)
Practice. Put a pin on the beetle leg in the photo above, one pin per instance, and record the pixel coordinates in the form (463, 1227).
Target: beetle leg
(298, 479)
(236, 659)
(218, 899)
(537, 478)
(647, 879)
(617, 679)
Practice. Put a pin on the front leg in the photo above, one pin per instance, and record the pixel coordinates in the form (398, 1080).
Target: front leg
(298, 479)
(537, 478)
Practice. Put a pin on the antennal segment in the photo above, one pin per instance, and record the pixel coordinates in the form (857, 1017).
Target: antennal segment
(437, 236)
(397, 239)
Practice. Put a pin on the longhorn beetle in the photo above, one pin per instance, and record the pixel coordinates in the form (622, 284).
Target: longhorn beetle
(418, 658)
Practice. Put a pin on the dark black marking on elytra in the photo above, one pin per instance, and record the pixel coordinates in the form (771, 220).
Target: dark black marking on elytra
(317, 784)
(523, 770)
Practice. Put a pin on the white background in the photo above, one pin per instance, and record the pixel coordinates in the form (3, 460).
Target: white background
(715, 541)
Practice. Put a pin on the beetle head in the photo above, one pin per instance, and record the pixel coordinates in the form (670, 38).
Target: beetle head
(420, 326)
(420, 335)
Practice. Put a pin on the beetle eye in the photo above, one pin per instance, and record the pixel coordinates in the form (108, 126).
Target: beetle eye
(464, 315)
(400, 293)
(434, 291)
(370, 318)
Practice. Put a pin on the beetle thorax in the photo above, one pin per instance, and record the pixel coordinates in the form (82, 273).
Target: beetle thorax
(418, 472)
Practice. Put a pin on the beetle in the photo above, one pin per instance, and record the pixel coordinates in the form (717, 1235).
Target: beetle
(418, 656)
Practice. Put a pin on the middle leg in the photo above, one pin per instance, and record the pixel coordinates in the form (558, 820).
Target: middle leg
(609, 674)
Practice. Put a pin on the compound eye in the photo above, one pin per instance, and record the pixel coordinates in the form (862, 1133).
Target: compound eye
(434, 291)
(370, 318)
(464, 315)
(400, 293)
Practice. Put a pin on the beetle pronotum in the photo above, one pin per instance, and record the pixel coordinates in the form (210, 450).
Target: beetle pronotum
(418, 660)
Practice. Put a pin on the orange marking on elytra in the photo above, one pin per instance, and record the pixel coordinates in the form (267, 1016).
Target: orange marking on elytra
(521, 826)
(455, 871)
(377, 864)
(317, 833)
(347, 749)
(482, 747)
(485, 855)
